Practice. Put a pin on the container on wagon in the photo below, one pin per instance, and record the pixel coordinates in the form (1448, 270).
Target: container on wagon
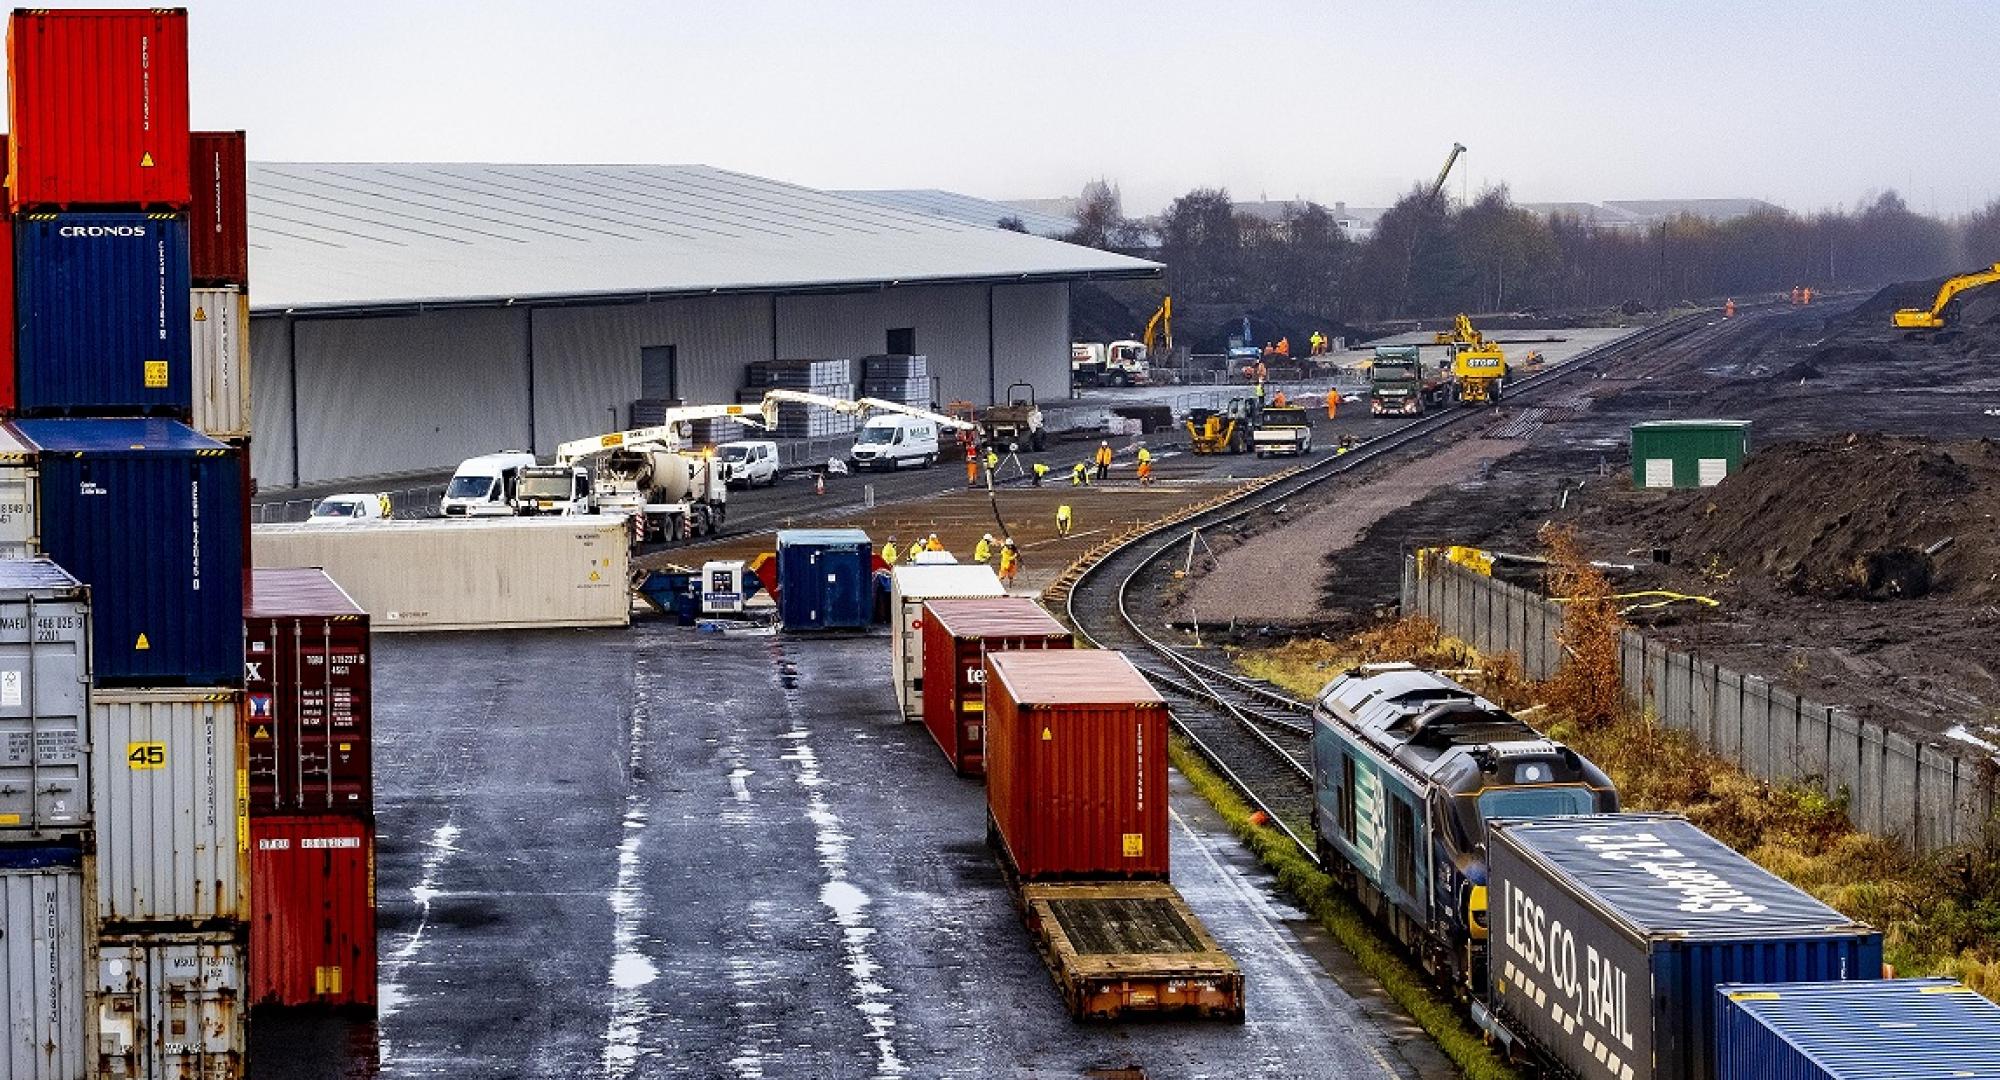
(166, 785)
(1611, 932)
(97, 105)
(306, 695)
(1856, 1031)
(1076, 765)
(43, 944)
(218, 213)
(149, 514)
(909, 587)
(219, 362)
(44, 702)
(958, 635)
(101, 317)
(826, 579)
(454, 574)
(312, 904)
(170, 1007)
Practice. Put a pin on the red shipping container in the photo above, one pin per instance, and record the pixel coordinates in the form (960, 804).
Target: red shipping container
(312, 911)
(305, 655)
(958, 635)
(218, 219)
(1076, 765)
(97, 103)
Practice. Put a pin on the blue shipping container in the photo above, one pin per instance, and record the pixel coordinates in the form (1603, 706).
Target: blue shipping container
(1609, 934)
(149, 514)
(1856, 1031)
(825, 579)
(102, 324)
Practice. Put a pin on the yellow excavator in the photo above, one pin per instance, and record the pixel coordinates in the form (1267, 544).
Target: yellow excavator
(1478, 366)
(1944, 310)
(1159, 335)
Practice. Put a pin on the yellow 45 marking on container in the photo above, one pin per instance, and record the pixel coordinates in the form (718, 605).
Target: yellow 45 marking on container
(146, 755)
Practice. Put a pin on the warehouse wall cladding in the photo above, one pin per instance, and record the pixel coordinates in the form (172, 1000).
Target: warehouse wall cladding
(408, 316)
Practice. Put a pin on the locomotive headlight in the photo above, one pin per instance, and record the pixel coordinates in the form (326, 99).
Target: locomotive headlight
(1475, 910)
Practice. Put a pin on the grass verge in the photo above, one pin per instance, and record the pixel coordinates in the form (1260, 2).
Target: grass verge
(1322, 899)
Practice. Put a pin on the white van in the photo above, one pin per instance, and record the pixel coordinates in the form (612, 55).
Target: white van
(895, 440)
(751, 461)
(350, 508)
(484, 486)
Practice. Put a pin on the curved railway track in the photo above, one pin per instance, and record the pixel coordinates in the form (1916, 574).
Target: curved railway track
(1254, 734)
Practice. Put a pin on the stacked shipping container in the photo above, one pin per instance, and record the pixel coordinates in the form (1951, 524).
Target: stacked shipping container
(121, 656)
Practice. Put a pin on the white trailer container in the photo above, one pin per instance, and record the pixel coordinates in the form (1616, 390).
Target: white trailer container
(20, 531)
(42, 975)
(44, 702)
(909, 587)
(170, 1008)
(221, 382)
(486, 574)
(169, 792)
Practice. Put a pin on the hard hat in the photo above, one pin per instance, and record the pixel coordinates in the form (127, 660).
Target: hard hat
(986, 536)
(933, 536)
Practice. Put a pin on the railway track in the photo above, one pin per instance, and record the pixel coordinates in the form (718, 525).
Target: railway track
(1257, 736)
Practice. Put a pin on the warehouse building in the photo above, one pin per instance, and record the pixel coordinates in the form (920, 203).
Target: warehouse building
(407, 316)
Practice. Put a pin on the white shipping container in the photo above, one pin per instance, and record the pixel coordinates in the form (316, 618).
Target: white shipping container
(20, 534)
(170, 1008)
(482, 574)
(909, 587)
(170, 796)
(221, 380)
(42, 947)
(44, 702)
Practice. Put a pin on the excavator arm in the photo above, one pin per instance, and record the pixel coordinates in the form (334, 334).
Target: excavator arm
(1159, 336)
(1944, 308)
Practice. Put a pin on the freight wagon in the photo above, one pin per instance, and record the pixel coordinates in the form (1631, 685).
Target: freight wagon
(909, 587)
(1408, 770)
(1612, 932)
(1077, 813)
(958, 636)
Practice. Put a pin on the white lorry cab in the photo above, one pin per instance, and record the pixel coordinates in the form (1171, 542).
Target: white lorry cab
(892, 441)
(553, 489)
(484, 486)
(350, 508)
(749, 462)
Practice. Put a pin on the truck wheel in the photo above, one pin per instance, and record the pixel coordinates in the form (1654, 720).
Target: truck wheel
(1038, 442)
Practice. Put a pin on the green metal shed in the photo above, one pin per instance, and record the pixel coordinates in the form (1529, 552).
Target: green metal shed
(1687, 453)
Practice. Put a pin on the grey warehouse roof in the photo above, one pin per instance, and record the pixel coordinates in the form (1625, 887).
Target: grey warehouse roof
(337, 237)
(969, 209)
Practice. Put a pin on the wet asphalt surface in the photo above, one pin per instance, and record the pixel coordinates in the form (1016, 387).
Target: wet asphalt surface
(658, 853)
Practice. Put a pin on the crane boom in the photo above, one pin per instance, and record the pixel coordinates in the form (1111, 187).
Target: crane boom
(856, 407)
(1944, 307)
(1457, 148)
(664, 435)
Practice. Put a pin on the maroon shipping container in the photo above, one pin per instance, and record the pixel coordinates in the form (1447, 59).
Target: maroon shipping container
(958, 634)
(1076, 765)
(218, 218)
(312, 911)
(305, 655)
(98, 107)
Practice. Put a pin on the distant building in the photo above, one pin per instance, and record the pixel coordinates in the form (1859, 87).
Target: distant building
(1646, 213)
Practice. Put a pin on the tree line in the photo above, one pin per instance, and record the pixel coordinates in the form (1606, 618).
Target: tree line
(1429, 257)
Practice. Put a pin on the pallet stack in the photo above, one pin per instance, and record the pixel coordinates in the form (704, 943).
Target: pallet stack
(123, 706)
(903, 379)
(827, 378)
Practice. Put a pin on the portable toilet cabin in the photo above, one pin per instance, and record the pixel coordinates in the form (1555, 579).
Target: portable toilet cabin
(825, 578)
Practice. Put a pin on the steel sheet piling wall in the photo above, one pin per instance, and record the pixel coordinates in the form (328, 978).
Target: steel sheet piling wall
(44, 702)
(42, 948)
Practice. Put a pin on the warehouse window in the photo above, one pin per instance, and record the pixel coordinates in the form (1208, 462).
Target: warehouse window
(902, 341)
(659, 373)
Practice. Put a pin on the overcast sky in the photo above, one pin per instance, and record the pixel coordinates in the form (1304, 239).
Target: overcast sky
(1806, 104)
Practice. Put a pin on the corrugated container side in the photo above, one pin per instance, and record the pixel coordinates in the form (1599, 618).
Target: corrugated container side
(220, 362)
(453, 574)
(149, 515)
(7, 376)
(97, 104)
(42, 976)
(44, 702)
(101, 314)
(306, 686)
(218, 216)
(909, 587)
(312, 928)
(20, 485)
(958, 635)
(168, 784)
(826, 579)
(1610, 934)
(1856, 1031)
(1076, 774)
(170, 1008)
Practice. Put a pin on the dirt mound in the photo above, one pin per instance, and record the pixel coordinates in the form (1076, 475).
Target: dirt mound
(1875, 310)
(1859, 516)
